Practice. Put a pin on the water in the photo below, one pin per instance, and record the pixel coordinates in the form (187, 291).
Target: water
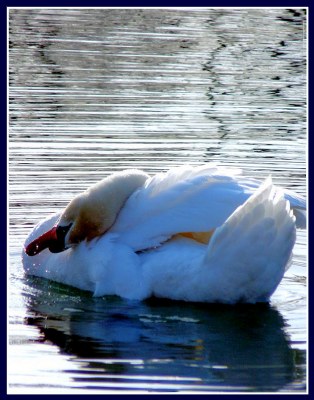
(97, 91)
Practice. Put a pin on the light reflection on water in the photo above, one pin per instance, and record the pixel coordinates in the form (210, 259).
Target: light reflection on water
(96, 91)
(126, 344)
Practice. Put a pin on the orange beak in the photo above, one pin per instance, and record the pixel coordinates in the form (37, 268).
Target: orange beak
(46, 240)
(54, 240)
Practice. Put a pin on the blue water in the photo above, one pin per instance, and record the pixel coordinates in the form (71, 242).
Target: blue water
(96, 91)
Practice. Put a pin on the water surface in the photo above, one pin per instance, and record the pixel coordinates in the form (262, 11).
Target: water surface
(97, 91)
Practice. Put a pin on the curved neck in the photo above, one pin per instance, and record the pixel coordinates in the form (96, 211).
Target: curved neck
(94, 211)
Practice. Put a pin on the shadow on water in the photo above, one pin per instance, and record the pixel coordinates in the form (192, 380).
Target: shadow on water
(219, 348)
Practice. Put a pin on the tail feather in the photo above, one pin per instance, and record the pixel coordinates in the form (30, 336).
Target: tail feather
(300, 215)
(255, 244)
(298, 205)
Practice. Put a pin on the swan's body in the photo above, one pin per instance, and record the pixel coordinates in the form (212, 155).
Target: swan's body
(145, 247)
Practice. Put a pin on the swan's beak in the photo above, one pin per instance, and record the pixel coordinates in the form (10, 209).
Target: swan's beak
(54, 240)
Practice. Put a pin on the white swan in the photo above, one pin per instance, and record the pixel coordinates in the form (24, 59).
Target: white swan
(203, 233)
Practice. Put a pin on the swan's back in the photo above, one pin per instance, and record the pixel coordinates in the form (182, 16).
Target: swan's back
(185, 199)
(244, 261)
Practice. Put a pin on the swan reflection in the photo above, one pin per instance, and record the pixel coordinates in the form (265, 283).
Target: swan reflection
(195, 346)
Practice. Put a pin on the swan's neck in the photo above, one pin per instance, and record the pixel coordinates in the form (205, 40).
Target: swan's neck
(94, 211)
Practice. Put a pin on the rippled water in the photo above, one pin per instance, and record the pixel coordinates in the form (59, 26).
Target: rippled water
(96, 91)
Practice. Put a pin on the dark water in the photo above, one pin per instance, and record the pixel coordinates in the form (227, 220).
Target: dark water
(96, 91)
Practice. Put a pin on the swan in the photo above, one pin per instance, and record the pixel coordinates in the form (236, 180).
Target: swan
(194, 233)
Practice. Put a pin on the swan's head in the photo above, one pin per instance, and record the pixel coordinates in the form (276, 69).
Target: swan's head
(89, 214)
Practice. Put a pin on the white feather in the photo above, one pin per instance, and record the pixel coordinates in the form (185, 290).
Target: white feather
(141, 256)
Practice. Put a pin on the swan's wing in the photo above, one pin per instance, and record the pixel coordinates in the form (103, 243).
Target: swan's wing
(184, 199)
(248, 254)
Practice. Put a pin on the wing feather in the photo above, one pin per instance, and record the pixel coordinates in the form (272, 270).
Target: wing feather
(185, 199)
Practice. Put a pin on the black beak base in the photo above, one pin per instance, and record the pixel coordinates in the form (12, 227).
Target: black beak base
(59, 245)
